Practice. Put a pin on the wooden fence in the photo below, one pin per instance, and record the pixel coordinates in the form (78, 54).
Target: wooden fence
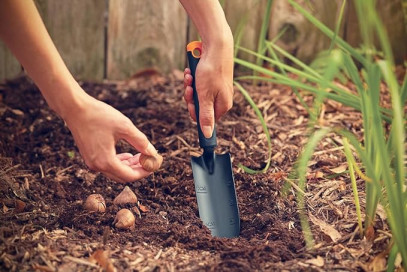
(115, 39)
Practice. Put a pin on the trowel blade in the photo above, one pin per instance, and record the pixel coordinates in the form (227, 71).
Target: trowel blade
(216, 195)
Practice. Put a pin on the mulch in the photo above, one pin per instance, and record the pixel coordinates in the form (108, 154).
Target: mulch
(44, 182)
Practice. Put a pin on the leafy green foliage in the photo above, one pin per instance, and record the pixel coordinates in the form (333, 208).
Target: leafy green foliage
(382, 153)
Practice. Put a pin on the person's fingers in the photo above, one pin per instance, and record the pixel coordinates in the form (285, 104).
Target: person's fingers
(124, 156)
(189, 99)
(124, 173)
(189, 95)
(137, 139)
(187, 80)
(135, 160)
(222, 104)
(206, 117)
(187, 71)
(191, 110)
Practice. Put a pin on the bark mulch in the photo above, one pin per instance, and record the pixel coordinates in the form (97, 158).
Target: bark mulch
(44, 182)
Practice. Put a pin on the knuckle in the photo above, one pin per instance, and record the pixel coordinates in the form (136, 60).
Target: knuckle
(91, 165)
(206, 116)
(126, 126)
(102, 164)
(228, 105)
(90, 162)
(98, 164)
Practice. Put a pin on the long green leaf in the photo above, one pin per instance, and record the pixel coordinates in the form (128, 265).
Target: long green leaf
(261, 46)
(265, 129)
(328, 32)
(351, 162)
(302, 173)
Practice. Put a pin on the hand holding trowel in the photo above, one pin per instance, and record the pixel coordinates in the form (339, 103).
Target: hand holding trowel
(213, 177)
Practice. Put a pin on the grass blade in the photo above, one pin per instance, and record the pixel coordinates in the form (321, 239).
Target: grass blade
(302, 173)
(351, 162)
(265, 129)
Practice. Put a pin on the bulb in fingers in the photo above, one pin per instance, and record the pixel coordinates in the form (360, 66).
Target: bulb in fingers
(151, 163)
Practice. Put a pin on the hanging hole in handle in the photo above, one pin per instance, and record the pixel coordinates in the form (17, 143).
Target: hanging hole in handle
(195, 48)
(196, 53)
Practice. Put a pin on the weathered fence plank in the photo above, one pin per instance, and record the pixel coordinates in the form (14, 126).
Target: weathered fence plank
(391, 14)
(77, 29)
(9, 66)
(153, 34)
(301, 38)
(145, 34)
(245, 18)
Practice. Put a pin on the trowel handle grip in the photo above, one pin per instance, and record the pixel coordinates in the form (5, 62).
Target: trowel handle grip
(194, 50)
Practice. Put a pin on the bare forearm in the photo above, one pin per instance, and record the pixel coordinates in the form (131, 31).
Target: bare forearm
(23, 31)
(210, 21)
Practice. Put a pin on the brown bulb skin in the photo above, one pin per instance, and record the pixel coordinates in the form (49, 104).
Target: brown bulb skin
(151, 163)
(124, 219)
(95, 203)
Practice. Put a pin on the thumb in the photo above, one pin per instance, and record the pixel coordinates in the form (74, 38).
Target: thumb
(206, 119)
(138, 140)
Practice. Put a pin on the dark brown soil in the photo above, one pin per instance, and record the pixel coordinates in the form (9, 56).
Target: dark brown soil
(44, 182)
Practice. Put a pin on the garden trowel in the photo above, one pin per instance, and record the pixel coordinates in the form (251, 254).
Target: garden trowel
(213, 176)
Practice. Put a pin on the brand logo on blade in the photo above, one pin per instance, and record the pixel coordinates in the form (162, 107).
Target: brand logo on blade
(200, 189)
(229, 183)
(210, 224)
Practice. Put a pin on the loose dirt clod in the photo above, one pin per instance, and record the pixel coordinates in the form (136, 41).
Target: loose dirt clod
(151, 163)
(125, 197)
(124, 219)
(95, 203)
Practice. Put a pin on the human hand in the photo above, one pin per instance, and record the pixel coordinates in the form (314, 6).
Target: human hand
(214, 85)
(96, 128)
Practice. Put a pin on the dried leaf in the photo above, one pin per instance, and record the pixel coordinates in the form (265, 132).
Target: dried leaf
(136, 211)
(194, 154)
(398, 262)
(370, 233)
(101, 257)
(44, 268)
(381, 212)
(379, 263)
(326, 228)
(340, 169)
(143, 208)
(316, 175)
(318, 261)
(5, 209)
(239, 143)
(282, 136)
(20, 206)
(17, 112)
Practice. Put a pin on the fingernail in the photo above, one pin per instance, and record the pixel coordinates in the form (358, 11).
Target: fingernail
(207, 131)
(151, 150)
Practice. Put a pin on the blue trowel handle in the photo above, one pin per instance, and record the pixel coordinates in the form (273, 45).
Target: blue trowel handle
(194, 50)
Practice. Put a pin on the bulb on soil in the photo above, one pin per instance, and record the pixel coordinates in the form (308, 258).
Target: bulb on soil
(124, 219)
(151, 163)
(95, 203)
(125, 197)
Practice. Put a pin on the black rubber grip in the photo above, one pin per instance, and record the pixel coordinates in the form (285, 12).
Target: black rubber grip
(205, 143)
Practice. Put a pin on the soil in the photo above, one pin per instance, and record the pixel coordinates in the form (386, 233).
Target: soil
(44, 182)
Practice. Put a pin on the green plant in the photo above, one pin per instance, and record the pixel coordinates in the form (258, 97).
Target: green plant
(382, 154)
(265, 129)
(238, 34)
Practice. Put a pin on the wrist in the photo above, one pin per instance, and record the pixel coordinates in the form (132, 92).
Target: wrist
(220, 40)
(65, 97)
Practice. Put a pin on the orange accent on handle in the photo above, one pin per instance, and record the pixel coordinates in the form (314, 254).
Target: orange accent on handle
(193, 47)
